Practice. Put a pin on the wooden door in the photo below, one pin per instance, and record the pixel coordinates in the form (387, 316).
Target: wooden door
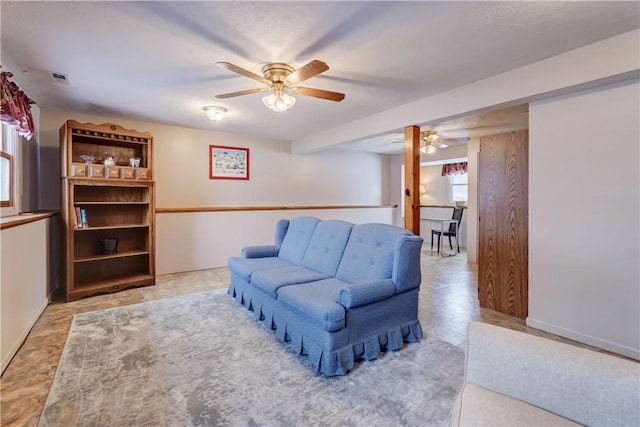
(503, 208)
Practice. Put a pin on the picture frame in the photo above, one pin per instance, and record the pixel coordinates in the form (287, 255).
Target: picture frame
(228, 162)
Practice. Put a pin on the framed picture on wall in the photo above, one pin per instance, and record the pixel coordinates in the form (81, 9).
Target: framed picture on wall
(228, 162)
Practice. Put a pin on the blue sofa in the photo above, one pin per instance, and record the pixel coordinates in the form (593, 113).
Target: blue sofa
(337, 292)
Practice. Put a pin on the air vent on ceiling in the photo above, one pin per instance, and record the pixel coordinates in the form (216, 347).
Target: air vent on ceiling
(60, 78)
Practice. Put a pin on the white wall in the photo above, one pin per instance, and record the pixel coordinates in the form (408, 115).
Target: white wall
(436, 186)
(195, 241)
(473, 150)
(277, 178)
(23, 284)
(396, 186)
(181, 169)
(584, 233)
(29, 166)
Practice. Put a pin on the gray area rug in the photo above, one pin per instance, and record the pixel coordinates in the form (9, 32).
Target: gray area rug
(202, 360)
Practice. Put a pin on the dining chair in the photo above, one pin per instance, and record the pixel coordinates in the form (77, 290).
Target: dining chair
(452, 232)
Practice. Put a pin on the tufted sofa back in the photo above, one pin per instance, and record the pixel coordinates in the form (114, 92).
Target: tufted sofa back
(295, 242)
(327, 246)
(369, 254)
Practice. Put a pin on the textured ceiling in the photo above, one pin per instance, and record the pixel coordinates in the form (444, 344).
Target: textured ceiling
(475, 126)
(155, 61)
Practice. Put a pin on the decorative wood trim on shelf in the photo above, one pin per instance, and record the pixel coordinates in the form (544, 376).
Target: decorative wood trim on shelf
(24, 218)
(443, 206)
(266, 208)
(98, 131)
(81, 291)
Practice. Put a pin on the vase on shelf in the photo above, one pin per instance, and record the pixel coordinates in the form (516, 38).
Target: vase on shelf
(109, 159)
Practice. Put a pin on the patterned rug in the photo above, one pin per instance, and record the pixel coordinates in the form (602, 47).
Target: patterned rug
(201, 360)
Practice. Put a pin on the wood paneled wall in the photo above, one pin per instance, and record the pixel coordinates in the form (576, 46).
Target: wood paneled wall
(503, 223)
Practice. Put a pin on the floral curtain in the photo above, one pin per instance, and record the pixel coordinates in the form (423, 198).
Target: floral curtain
(454, 168)
(16, 107)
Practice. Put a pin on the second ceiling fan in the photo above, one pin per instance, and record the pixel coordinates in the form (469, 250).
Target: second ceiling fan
(430, 141)
(282, 80)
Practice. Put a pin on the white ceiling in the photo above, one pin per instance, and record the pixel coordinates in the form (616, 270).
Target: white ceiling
(155, 61)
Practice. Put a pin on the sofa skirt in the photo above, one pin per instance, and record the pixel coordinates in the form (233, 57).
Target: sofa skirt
(370, 329)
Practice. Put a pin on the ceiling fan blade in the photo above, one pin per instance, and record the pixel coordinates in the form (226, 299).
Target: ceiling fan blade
(461, 139)
(305, 72)
(319, 93)
(234, 68)
(242, 92)
(440, 141)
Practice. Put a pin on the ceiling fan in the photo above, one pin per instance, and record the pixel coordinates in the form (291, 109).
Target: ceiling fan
(282, 80)
(430, 141)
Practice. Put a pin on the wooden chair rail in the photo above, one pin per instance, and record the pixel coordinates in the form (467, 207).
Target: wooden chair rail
(24, 218)
(265, 208)
(443, 206)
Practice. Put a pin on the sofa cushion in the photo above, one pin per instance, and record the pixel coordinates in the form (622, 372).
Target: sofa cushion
(317, 300)
(245, 267)
(327, 246)
(369, 253)
(295, 242)
(477, 406)
(271, 280)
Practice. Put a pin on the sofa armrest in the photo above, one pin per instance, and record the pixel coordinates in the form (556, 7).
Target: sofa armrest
(406, 263)
(586, 386)
(260, 251)
(364, 293)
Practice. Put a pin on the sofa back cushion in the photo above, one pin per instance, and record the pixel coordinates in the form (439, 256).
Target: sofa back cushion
(295, 242)
(327, 246)
(281, 230)
(369, 253)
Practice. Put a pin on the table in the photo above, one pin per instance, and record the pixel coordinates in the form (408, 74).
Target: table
(442, 222)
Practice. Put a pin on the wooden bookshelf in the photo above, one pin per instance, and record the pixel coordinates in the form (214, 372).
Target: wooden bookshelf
(118, 203)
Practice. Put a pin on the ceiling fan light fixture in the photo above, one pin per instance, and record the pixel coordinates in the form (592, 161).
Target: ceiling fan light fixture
(214, 113)
(279, 101)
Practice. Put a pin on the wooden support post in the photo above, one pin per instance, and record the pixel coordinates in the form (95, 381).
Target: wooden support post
(412, 179)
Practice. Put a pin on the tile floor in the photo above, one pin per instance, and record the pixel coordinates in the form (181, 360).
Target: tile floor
(449, 286)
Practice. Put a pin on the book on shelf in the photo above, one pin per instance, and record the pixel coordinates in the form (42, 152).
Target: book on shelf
(80, 218)
(75, 218)
(83, 217)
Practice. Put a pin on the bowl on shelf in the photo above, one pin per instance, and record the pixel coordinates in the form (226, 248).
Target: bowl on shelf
(109, 245)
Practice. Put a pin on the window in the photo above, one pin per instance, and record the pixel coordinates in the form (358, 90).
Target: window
(9, 151)
(458, 187)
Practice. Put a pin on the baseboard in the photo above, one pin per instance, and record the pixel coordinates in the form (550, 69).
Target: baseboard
(23, 336)
(623, 350)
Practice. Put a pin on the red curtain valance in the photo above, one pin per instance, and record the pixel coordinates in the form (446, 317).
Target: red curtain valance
(454, 168)
(16, 107)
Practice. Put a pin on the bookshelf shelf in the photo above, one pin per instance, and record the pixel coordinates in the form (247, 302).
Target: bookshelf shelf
(112, 256)
(112, 227)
